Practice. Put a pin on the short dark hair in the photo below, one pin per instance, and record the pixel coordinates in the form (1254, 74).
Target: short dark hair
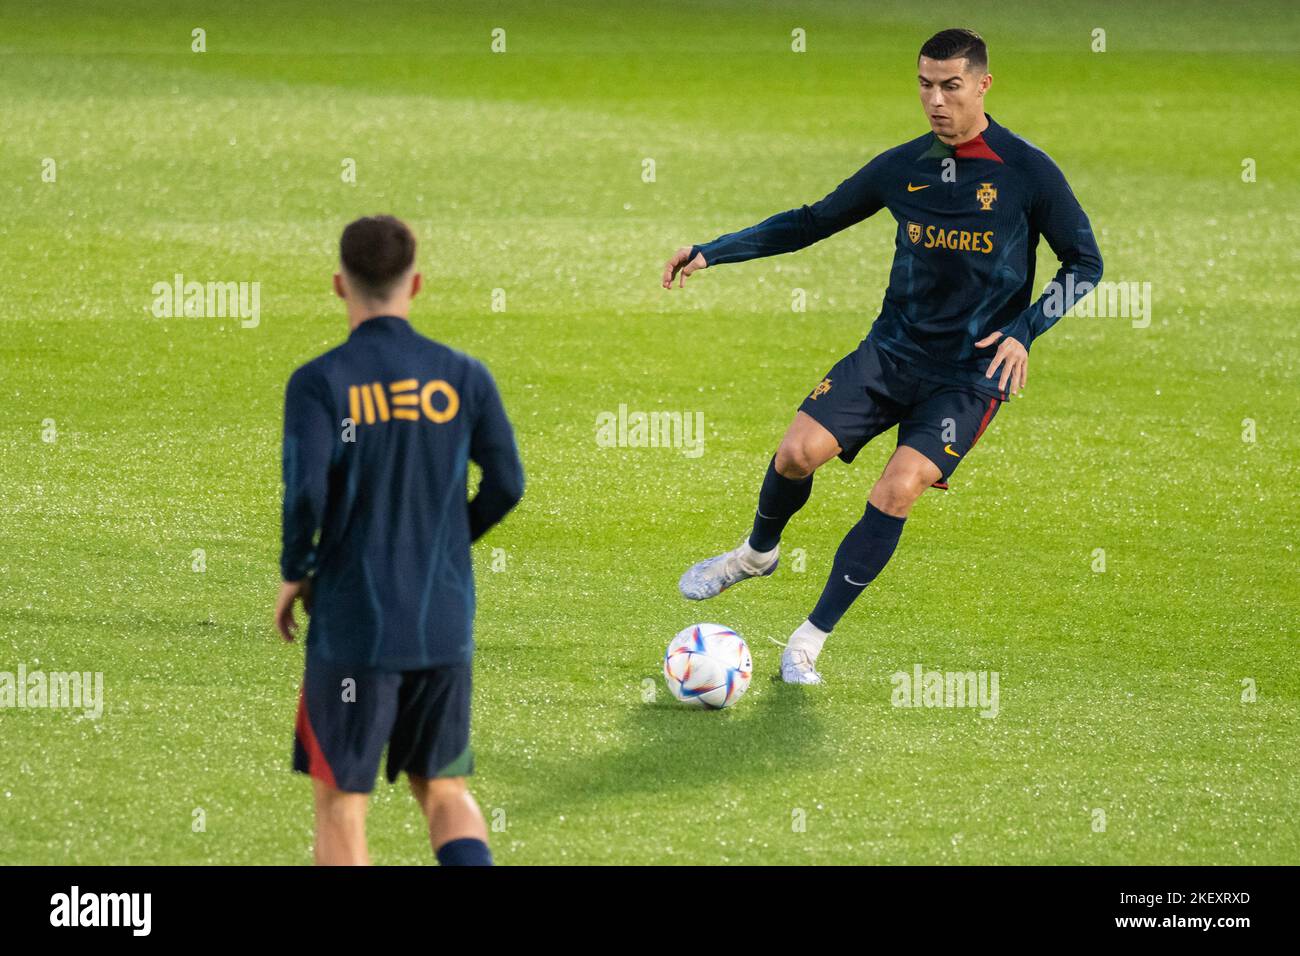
(375, 252)
(952, 44)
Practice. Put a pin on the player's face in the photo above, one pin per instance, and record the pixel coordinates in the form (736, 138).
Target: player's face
(951, 94)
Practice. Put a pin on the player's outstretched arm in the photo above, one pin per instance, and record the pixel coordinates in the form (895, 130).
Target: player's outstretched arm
(852, 201)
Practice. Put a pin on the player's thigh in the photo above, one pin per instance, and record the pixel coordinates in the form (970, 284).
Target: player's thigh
(446, 786)
(339, 807)
(907, 473)
(945, 426)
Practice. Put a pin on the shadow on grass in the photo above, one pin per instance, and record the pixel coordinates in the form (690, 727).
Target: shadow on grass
(677, 748)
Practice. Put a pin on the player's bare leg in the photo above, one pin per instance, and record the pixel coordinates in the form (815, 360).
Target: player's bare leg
(340, 826)
(861, 556)
(905, 478)
(456, 825)
(806, 446)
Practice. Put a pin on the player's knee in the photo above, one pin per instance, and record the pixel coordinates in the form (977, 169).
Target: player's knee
(898, 489)
(341, 809)
(794, 460)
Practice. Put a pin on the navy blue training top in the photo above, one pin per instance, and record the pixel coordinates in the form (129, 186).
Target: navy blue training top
(377, 436)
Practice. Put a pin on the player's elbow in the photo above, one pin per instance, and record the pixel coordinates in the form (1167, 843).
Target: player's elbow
(810, 228)
(512, 489)
(495, 499)
(504, 494)
(1090, 265)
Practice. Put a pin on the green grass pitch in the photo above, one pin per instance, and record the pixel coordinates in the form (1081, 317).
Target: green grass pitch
(1121, 691)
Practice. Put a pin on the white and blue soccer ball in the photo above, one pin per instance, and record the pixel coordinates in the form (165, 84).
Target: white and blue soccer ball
(708, 665)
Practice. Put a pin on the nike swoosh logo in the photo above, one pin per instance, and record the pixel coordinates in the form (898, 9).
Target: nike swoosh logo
(948, 449)
(856, 584)
(916, 189)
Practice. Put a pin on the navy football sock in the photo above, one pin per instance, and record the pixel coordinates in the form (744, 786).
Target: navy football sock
(778, 500)
(464, 852)
(863, 553)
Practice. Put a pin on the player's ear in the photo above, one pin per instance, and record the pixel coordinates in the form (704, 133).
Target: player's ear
(417, 283)
(339, 289)
(985, 82)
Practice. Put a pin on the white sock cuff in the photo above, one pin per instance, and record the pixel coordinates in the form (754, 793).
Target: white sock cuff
(807, 637)
(756, 561)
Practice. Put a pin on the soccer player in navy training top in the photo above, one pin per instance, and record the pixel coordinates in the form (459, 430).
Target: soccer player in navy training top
(952, 340)
(377, 531)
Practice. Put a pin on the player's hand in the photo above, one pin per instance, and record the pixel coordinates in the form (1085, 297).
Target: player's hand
(1012, 357)
(677, 263)
(291, 591)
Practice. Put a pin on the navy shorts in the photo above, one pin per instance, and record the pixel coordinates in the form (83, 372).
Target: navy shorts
(870, 391)
(348, 715)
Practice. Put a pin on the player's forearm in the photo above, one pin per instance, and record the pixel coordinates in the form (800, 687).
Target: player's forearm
(298, 551)
(305, 465)
(498, 493)
(305, 455)
(1080, 271)
(850, 202)
(787, 231)
(494, 450)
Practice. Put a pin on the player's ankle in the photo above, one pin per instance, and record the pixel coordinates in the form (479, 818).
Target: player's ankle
(808, 637)
(753, 560)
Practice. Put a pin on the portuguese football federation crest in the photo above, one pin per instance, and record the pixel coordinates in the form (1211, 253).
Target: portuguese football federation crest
(822, 388)
(986, 194)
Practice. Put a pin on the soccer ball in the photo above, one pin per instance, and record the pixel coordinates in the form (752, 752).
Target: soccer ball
(708, 665)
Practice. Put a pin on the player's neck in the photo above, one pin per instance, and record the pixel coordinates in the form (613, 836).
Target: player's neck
(965, 136)
(357, 316)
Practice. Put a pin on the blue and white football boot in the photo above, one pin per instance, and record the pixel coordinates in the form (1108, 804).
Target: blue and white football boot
(712, 576)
